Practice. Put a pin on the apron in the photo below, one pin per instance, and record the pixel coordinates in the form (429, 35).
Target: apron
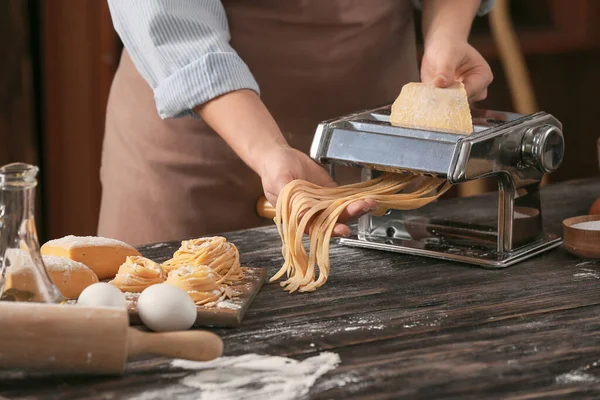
(314, 60)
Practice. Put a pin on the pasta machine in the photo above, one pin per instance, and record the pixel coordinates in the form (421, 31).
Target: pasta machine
(516, 149)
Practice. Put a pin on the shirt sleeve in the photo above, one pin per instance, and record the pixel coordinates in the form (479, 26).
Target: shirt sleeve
(485, 7)
(182, 50)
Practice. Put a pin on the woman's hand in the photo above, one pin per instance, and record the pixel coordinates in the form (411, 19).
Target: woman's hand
(448, 56)
(446, 61)
(244, 122)
(284, 164)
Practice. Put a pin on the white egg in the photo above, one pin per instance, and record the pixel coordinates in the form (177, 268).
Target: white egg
(102, 294)
(165, 307)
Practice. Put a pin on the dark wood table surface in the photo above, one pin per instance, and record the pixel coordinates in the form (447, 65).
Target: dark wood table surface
(409, 327)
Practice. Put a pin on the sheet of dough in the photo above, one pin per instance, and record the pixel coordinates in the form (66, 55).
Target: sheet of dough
(425, 106)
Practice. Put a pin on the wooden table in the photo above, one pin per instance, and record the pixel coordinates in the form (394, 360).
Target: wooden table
(409, 327)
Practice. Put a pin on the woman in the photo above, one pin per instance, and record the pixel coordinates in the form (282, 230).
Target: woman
(213, 98)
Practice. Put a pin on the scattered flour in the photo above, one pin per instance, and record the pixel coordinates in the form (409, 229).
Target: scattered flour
(254, 376)
(177, 392)
(70, 242)
(432, 322)
(56, 263)
(586, 273)
(20, 261)
(583, 264)
(575, 377)
(231, 304)
(157, 246)
(337, 381)
(579, 375)
(228, 304)
(352, 328)
(131, 296)
(12, 375)
(315, 330)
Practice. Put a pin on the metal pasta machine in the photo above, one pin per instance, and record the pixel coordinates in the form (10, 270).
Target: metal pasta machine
(515, 149)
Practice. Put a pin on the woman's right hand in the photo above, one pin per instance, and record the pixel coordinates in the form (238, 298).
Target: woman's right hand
(284, 164)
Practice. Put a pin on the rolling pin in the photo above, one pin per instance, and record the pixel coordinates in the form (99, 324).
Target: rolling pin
(264, 208)
(63, 339)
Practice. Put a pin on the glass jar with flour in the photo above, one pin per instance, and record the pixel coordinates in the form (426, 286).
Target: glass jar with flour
(23, 276)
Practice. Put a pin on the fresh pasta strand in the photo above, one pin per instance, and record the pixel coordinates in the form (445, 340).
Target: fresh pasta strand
(221, 256)
(303, 270)
(321, 207)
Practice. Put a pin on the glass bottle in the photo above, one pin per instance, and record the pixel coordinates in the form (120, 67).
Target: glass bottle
(23, 276)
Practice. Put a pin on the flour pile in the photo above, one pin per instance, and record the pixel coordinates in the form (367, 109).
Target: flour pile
(254, 376)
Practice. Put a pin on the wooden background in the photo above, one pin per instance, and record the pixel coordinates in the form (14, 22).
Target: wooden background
(19, 107)
(59, 62)
(80, 58)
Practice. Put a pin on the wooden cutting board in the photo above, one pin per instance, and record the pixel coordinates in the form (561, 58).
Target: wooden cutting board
(227, 313)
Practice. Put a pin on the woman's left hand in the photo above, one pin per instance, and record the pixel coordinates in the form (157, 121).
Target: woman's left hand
(446, 61)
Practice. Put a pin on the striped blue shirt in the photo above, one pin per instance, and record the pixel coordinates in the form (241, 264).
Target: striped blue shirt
(181, 48)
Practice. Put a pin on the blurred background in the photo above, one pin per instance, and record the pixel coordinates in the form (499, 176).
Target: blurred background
(59, 57)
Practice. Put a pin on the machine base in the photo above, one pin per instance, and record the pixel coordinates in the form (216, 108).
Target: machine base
(465, 254)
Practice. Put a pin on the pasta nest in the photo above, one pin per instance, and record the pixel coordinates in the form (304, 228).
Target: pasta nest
(200, 282)
(137, 273)
(221, 256)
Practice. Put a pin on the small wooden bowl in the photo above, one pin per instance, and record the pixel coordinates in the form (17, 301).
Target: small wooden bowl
(583, 243)
(595, 208)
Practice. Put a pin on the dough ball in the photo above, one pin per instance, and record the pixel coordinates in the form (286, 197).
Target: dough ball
(102, 294)
(71, 277)
(101, 255)
(164, 307)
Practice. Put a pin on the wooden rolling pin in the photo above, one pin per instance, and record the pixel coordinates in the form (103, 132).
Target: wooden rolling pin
(264, 208)
(85, 340)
